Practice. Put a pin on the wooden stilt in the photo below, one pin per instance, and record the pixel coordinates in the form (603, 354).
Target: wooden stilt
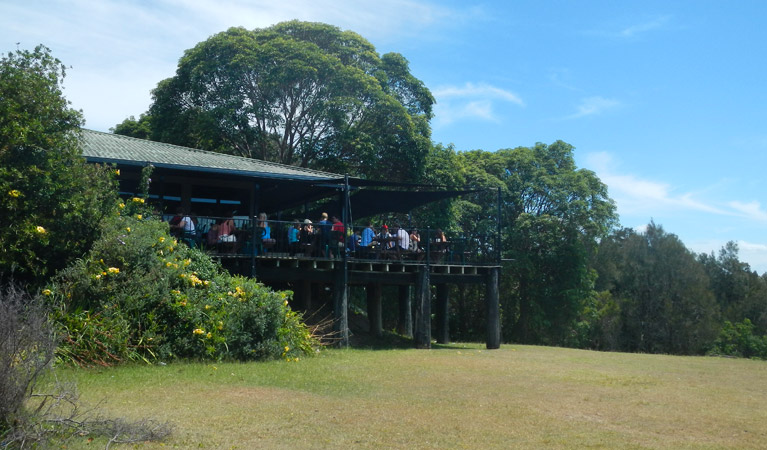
(374, 308)
(405, 319)
(493, 310)
(443, 335)
(423, 309)
(340, 307)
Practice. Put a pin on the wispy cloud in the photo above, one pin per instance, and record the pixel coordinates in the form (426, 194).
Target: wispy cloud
(751, 210)
(471, 100)
(634, 30)
(591, 106)
(644, 27)
(638, 196)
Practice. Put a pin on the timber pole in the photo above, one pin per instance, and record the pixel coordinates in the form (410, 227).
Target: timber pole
(493, 309)
(374, 308)
(423, 309)
(443, 333)
(405, 319)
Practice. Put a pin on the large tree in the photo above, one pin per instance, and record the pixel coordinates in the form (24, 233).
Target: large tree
(297, 93)
(51, 201)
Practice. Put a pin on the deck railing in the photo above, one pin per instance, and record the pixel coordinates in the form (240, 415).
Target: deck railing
(324, 241)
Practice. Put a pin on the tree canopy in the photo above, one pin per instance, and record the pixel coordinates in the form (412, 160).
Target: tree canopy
(298, 93)
(51, 202)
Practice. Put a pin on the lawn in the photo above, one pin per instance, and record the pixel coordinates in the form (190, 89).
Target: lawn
(457, 396)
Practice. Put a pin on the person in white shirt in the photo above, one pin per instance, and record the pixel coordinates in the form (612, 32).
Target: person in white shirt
(403, 238)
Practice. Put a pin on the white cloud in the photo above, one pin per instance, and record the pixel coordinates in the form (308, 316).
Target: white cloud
(644, 27)
(752, 210)
(592, 106)
(483, 90)
(471, 100)
(120, 50)
(638, 196)
(634, 30)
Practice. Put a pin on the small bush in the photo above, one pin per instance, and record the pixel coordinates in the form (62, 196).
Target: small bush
(141, 295)
(27, 345)
(739, 340)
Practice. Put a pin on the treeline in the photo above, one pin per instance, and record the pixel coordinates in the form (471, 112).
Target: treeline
(325, 99)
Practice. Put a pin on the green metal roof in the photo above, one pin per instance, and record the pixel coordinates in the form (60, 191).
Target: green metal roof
(114, 148)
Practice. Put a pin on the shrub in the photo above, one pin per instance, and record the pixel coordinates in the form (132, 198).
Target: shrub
(141, 295)
(739, 340)
(27, 345)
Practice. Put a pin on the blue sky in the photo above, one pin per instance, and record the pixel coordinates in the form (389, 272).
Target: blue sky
(665, 101)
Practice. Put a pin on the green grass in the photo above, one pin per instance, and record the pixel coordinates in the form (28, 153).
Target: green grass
(459, 396)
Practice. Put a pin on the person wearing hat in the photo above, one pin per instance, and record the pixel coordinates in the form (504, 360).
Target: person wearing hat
(385, 235)
(307, 232)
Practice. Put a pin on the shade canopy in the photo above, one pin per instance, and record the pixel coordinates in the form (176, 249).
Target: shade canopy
(272, 187)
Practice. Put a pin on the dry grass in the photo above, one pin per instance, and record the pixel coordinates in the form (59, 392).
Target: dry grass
(460, 396)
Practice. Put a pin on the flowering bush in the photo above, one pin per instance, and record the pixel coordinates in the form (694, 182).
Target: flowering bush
(141, 295)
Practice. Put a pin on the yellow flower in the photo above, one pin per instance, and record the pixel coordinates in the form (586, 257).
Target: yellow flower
(137, 200)
(162, 239)
(113, 270)
(121, 205)
(198, 331)
(98, 276)
(117, 172)
(40, 229)
(14, 193)
(207, 306)
(47, 292)
(287, 349)
(209, 335)
(168, 264)
(127, 229)
(139, 216)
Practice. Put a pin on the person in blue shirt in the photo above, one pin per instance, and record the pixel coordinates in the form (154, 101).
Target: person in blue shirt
(367, 235)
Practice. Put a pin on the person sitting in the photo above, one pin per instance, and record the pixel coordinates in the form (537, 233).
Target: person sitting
(294, 233)
(384, 235)
(306, 236)
(226, 230)
(226, 240)
(403, 238)
(183, 227)
(439, 236)
(266, 232)
(353, 242)
(368, 234)
(415, 239)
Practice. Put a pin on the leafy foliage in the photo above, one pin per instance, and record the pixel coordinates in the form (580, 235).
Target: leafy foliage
(140, 295)
(738, 339)
(665, 304)
(297, 93)
(51, 201)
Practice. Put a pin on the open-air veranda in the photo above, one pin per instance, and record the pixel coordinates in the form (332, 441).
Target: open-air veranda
(229, 187)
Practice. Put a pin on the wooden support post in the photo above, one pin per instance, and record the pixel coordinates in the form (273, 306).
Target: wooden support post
(305, 294)
(493, 310)
(340, 306)
(405, 318)
(423, 309)
(443, 334)
(374, 309)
